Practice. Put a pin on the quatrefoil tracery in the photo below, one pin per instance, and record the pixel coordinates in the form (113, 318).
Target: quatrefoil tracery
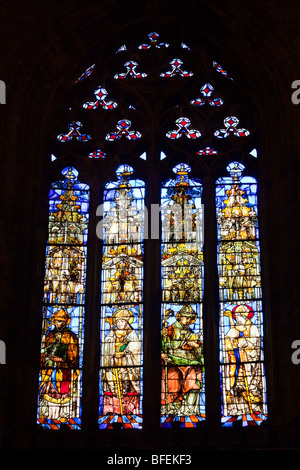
(101, 101)
(74, 133)
(183, 124)
(230, 124)
(176, 70)
(153, 42)
(122, 130)
(131, 72)
(207, 91)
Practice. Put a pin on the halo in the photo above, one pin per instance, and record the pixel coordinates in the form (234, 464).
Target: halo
(128, 316)
(248, 314)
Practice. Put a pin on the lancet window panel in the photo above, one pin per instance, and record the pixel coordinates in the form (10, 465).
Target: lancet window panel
(182, 373)
(121, 329)
(63, 312)
(242, 375)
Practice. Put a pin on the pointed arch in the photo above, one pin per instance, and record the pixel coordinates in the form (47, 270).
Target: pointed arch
(130, 124)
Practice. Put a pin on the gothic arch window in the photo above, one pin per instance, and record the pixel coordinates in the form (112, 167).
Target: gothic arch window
(153, 253)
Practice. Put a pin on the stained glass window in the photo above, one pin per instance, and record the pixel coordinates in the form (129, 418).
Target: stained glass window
(130, 66)
(86, 74)
(121, 372)
(183, 125)
(182, 378)
(207, 151)
(101, 100)
(97, 154)
(60, 384)
(230, 124)
(241, 318)
(123, 130)
(176, 70)
(153, 42)
(220, 69)
(197, 136)
(207, 91)
(74, 133)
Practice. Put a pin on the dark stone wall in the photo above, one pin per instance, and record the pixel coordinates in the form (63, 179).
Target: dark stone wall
(45, 45)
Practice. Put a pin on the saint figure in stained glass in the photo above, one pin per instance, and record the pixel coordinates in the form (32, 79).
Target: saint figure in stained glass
(241, 319)
(122, 307)
(182, 378)
(63, 304)
(59, 368)
(121, 359)
(242, 354)
(239, 265)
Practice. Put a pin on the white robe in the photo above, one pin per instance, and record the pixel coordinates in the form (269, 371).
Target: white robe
(128, 368)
